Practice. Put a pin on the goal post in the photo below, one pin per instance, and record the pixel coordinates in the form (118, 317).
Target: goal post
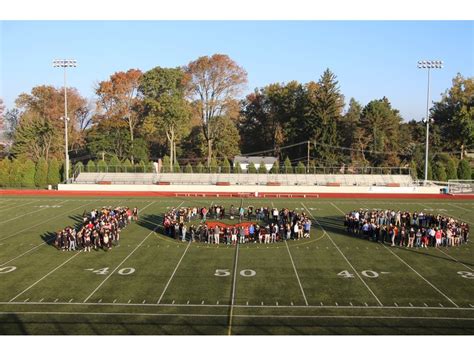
(460, 187)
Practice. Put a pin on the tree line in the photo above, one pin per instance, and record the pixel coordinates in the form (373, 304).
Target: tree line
(194, 115)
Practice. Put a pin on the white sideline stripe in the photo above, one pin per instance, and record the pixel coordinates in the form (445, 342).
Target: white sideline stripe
(9, 208)
(45, 276)
(26, 214)
(50, 219)
(198, 315)
(174, 271)
(416, 272)
(232, 301)
(296, 273)
(124, 260)
(235, 306)
(332, 241)
(439, 249)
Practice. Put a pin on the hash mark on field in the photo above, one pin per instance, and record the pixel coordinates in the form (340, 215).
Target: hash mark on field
(292, 303)
(322, 304)
(202, 302)
(71, 300)
(247, 303)
(366, 304)
(41, 300)
(276, 303)
(217, 302)
(144, 301)
(187, 302)
(261, 303)
(441, 305)
(411, 305)
(129, 301)
(99, 301)
(26, 300)
(396, 305)
(471, 305)
(115, 300)
(351, 304)
(172, 302)
(56, 300)
(425, 304)
(337, 305)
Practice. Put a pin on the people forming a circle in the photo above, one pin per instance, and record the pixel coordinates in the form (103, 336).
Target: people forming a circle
(255, 225)
(407, 229)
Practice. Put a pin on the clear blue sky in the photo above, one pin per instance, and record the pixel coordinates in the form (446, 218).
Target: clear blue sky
(371, 59)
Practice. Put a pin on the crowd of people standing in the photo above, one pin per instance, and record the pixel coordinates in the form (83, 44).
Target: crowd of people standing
(100, 229)
(256, 225)
(407, 229)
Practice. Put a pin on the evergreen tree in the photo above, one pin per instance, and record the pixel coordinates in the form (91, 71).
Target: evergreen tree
(15, 176)
(237, 169)
(439, 171)
(127, 166)
(28, 176)
(5, 172)
(90, 167)
(275, 168)
(213, 167)
(114, 165)
(413, 170)
(166, 164)
(176, 167)
(188, 169)
(41, 173)
(54, 176)
(225, 166)
(140, 167)
(262, 168)
(464, 170)
(288, 169)
(79, 167)
(199, 168)
(102, 166)
(300, 168)
(251, 168)
(451, 171)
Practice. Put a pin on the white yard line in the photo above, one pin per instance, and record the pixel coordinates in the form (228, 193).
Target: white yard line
(404, 262)
(16, 206)
(456, 260)
(353, 268)
(199, 315)
(462, 208)
(50, 219)
(26, 214)
(45, 276)
(124, 260)
(448, 214)
(296, 273)
(231, 312)
(174, 271)
(199, 305)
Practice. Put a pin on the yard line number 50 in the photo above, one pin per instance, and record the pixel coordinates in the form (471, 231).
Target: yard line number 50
(226, 272)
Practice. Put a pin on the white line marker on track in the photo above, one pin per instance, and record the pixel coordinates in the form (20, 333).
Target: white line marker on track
(340, 251)
(45, 276)
(296, 273)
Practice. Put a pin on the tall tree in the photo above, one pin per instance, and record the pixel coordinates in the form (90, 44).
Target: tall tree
(382, 123)
(454, 115)
(119, 101)
(166, 110)
(2, 109)
(322, 113)
(352, 134)
(214, 82)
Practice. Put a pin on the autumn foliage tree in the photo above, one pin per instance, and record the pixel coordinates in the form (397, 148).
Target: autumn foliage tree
(213, 84)
(118, 102)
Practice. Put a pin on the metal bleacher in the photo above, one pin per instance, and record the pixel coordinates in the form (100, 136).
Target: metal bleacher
(243, 179)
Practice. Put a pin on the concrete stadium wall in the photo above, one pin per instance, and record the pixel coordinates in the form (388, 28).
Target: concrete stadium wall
(252, 189)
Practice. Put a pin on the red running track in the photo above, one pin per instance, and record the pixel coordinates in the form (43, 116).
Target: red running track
(231, 194)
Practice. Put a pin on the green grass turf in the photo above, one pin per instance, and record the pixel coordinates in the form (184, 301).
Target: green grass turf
(151, 284)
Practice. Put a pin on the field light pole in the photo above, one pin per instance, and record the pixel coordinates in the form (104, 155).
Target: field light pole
(428, 64)
(65, 63)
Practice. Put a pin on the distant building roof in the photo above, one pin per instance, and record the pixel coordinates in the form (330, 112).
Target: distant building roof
(256, 160)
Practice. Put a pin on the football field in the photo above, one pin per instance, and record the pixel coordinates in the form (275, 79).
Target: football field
(331, 283)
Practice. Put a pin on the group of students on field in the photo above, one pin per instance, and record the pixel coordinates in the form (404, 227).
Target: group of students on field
(406, 229)
(100, 229)
(271, 225)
